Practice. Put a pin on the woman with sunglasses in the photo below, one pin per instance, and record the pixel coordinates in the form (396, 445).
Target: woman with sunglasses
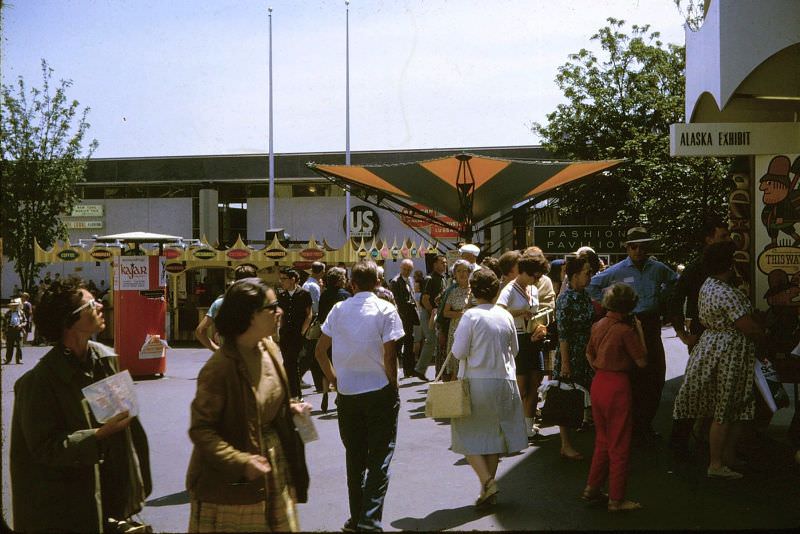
(521, 299)
(247, 468)
(68, 472)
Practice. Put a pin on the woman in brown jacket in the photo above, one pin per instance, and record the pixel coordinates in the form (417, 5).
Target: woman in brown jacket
(247, 469)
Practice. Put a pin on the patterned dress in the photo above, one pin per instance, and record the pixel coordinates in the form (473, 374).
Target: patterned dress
(574, 316)
(719, 375)
(460, 298)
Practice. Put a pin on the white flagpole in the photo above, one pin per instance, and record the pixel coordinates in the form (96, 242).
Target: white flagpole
(271, 153)
(347, 112)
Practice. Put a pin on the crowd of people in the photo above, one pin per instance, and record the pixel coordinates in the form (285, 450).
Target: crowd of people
(18, 325)
(502, 326)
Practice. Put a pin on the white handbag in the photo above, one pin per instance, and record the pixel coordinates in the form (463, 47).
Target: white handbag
(448, 400)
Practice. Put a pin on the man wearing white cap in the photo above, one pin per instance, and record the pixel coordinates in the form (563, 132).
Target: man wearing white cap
(470, 253)
(652, 281)
(15, 325)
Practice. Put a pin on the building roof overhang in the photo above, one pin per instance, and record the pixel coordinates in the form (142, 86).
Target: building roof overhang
(743, 64)
(253, 168)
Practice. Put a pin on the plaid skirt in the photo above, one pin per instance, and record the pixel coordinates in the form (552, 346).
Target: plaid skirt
(277, 514)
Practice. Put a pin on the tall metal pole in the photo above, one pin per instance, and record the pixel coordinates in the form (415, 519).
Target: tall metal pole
(347, 113)
(271, 153)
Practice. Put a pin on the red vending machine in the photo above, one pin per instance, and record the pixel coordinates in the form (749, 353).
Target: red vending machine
(140, 308)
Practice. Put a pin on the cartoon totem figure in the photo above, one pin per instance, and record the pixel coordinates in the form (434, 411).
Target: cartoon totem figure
(781, 201)
(783, 323)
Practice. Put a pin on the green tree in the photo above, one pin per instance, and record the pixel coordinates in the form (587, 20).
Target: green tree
(620, 104)
(41, 142)
(693, 12)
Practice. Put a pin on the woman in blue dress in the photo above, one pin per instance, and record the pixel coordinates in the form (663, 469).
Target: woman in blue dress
(574, 316)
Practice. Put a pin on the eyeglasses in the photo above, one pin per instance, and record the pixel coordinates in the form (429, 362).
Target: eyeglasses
(93, 304)
(271, 306)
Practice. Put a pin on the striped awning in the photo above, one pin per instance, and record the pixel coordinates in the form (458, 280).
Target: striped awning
(496, 184)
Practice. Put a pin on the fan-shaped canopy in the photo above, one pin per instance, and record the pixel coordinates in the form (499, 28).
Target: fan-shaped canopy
(466, 187)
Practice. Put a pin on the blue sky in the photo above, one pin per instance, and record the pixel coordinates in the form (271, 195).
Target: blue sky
(188, 77)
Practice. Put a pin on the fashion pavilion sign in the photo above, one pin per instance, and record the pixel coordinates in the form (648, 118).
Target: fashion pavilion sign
(733, 138)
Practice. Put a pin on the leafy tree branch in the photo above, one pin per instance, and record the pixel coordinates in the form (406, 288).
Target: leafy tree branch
(43, 159)
(620, 104)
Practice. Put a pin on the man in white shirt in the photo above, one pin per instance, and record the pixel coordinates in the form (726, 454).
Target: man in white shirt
(362, 331)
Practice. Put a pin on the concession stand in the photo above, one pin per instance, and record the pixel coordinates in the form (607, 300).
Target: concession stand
(161, 283)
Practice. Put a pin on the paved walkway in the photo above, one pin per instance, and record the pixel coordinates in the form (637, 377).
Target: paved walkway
(433, 489)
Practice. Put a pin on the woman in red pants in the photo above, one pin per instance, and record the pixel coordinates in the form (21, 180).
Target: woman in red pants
(615, 346)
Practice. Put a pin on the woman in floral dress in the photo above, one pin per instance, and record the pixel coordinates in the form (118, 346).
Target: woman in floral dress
(458, 300)
(574, 316)
(718, 383)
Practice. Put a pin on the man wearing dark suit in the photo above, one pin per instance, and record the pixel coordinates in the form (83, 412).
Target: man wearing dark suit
(403, 293)
(295, 302)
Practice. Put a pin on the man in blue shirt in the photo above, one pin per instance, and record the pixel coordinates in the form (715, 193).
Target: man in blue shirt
(652, 281)
(307, 360)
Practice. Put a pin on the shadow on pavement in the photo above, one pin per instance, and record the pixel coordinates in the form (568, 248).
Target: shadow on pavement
(181, 497)
(542, 490)
(440, 519)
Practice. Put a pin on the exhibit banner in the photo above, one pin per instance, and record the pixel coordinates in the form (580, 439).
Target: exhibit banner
(566, 239)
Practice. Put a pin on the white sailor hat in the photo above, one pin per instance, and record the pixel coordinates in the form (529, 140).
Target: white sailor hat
(469, 249)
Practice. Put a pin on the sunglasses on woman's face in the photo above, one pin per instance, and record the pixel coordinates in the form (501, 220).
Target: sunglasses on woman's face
(271, 306)
(93, 304)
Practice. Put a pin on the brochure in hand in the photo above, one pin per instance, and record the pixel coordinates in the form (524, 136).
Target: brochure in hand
(111, 396)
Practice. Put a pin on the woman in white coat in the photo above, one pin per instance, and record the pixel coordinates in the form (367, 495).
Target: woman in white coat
(485, 344)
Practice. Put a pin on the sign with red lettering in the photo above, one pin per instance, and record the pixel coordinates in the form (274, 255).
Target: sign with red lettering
(443, 232)
(132, 273)
(312, 254)
(238, 254)
(413, 220)
(438, 231)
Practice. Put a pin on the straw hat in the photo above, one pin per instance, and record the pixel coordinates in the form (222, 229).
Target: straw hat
(638, 235)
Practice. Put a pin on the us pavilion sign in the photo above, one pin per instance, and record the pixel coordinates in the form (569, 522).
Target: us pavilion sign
(566, 239)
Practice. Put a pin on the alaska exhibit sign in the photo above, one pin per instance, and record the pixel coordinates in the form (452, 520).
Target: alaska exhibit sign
(566, 239)
(733, 139)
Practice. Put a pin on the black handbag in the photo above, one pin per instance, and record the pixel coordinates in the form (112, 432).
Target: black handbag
(563, 405)
(292, 443)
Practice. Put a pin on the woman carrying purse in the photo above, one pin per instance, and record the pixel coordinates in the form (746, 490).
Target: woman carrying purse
(485, 344)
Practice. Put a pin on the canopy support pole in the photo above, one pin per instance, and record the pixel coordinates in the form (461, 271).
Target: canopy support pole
(465, 185)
